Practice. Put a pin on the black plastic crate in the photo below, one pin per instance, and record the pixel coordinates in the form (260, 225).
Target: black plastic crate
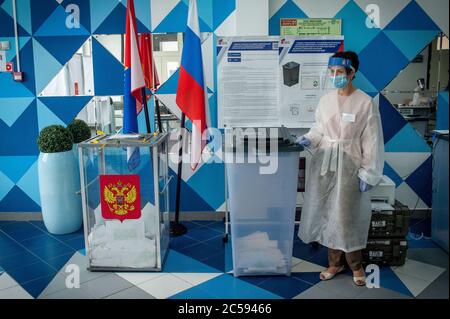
(383, 251)
(390, 221)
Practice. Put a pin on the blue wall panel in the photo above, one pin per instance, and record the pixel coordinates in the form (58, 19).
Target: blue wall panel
(108, 71)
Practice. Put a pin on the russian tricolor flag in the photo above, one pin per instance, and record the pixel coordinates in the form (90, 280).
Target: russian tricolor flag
(192, 95)
(134, 83)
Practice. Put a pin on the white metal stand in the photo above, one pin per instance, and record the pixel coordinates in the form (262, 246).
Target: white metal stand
(227, 216)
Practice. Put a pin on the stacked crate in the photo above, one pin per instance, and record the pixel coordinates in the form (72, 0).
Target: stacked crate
(387, 244)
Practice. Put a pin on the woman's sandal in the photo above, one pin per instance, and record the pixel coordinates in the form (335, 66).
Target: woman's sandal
(325, 275)
(360, 281)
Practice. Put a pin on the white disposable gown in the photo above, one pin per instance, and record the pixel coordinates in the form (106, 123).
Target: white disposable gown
(347, 145)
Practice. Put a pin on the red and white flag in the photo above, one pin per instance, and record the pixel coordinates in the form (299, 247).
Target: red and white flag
(192, 95)
(148, 63)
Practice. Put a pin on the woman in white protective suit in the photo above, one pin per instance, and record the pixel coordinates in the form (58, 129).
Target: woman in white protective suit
(347, 149)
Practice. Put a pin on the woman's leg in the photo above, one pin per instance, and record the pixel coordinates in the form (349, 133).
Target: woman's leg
(354, 260)
(336, 262)
(335, 258)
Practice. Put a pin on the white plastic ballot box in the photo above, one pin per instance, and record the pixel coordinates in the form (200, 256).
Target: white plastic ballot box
(262, 205)
(124, 188)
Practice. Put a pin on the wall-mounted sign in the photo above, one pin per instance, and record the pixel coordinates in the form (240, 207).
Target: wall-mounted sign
(272, 81)
(2, 61)
(303, 64)
(4, 45)
(311, 27)
(248, 81)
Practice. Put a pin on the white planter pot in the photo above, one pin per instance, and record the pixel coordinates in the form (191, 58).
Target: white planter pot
(59, 182)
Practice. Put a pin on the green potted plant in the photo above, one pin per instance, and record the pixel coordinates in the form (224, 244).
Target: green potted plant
(59, 181)
(80, 131)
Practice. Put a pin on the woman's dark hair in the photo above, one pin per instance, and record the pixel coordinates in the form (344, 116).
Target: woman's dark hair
(349, 55)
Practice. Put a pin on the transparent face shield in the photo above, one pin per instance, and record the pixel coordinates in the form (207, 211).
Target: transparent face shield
(338, 73)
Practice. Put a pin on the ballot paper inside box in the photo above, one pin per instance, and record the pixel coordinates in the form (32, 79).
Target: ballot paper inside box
(125, 202)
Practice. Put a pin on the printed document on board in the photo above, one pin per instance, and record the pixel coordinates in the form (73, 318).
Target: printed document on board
(248, 82)
(303, 68)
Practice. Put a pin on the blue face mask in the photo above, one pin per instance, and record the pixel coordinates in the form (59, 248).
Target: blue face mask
(339, 81)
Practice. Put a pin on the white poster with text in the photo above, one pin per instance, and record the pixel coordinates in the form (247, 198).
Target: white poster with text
(272, 81)
(248, 82)
(303, 81)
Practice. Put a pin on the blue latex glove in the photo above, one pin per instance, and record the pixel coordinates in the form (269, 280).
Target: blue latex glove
(303, 141)
(364, 187)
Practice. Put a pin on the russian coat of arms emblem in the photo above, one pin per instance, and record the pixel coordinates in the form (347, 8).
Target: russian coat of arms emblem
(120, 197)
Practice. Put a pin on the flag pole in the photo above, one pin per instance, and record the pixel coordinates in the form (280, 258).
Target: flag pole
(147, 115)
(158, 114)
(189, 101)
(154, 88)
(176, 228)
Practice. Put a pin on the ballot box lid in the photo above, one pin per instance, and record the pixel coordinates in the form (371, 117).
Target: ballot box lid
(253, 136)
(125, 140)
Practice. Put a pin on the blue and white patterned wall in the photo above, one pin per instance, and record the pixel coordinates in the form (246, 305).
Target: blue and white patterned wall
(46, 45)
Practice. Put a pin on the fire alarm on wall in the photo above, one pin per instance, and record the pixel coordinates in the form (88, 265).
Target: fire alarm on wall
(9, 67)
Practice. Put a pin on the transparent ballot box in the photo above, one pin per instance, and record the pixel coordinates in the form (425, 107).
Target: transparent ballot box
(124, 187)
(262, 204)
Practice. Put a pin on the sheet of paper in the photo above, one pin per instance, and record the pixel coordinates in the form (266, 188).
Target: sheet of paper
(311, 27)
(273, 81)
(125, 137)
(303, 68)
(128, 230)
(248, 82)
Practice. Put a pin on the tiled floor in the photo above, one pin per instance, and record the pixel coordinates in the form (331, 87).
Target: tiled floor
(33, 265)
